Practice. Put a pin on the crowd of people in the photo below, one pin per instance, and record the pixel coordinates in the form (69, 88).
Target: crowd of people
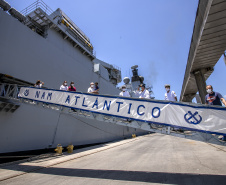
(94, 88)
(212, 97)
(64, 86)
(142, 92)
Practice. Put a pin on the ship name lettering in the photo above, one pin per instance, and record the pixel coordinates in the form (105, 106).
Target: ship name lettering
(68, 99)
(76, 99)
(107, 105)
(83, 103)
(153, 111)
(43, 95)
(119, 103)
(37, 94)
(129, 108)
(95, 103)
(138, 110)
(49, 96)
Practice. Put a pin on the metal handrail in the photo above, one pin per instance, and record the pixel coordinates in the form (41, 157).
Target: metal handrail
(37, 4)
(9, 90)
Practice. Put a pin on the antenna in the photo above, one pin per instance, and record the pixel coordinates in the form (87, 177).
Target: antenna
(134, 67)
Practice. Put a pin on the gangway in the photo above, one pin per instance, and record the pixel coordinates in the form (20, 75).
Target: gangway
(185, 120)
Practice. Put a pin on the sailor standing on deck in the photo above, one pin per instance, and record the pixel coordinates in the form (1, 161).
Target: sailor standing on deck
(96, 88)
(170, 95)
(39, 84)
(72, 87)
(124, 92)
(213, 98)
(64, 86)
(142, 92)
(91, 89)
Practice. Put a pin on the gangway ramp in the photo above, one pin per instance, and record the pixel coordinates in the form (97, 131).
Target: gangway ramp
(186, 120)
(198, 122)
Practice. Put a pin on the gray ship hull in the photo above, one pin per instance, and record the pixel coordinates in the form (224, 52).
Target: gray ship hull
(29, 57)
(35, 127)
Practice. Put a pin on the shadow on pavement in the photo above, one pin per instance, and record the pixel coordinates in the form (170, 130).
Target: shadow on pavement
(138, 176)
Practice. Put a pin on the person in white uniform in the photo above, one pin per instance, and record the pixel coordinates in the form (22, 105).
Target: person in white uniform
(142, 92)
(64, 86)
(91, 89)
(170, 95)
(124, 92)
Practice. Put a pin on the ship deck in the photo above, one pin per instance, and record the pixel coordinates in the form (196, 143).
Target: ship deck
(154, 158)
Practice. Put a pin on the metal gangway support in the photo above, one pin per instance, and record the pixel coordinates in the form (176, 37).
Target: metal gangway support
(8, 95)
(162, 117)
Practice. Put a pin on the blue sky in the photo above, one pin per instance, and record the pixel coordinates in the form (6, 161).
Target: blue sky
(155, 35)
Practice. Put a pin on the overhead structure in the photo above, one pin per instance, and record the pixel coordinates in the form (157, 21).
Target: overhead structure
(208, 44)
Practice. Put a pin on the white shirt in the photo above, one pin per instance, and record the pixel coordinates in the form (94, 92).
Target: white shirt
(144, 94)
(90, 90)
(124, 93)
(38, 86)
(63, 88)
(170, 96)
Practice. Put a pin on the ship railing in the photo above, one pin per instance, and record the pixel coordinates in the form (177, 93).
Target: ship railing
(9, 91)
(41, 9)
(9, 101)
(37, 4)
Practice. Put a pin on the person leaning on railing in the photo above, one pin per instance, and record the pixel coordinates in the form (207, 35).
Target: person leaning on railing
(72, 87)
(64, 86)
(91, 89)
(142, 92)
(124, 92)
(170, 95)
(39, 84)
(214, 98)
(96, 88)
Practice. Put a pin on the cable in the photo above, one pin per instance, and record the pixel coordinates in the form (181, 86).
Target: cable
(91, 125)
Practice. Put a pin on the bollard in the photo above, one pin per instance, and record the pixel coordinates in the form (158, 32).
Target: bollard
(59, 149)
(70, 149)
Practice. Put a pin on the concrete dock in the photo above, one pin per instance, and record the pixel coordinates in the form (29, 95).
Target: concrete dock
(154, 158)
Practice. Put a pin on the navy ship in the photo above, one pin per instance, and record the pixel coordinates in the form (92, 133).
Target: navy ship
(41, 44)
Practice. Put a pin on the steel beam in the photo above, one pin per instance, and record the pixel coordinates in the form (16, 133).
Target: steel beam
(201, 84)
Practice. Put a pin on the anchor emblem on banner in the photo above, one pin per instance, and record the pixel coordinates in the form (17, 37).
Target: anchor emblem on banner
(26, 92)
(188, 116)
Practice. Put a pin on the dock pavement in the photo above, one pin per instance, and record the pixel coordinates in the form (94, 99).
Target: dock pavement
(149, 159)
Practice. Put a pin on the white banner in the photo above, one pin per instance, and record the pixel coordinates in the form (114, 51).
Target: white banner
(196, 117)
